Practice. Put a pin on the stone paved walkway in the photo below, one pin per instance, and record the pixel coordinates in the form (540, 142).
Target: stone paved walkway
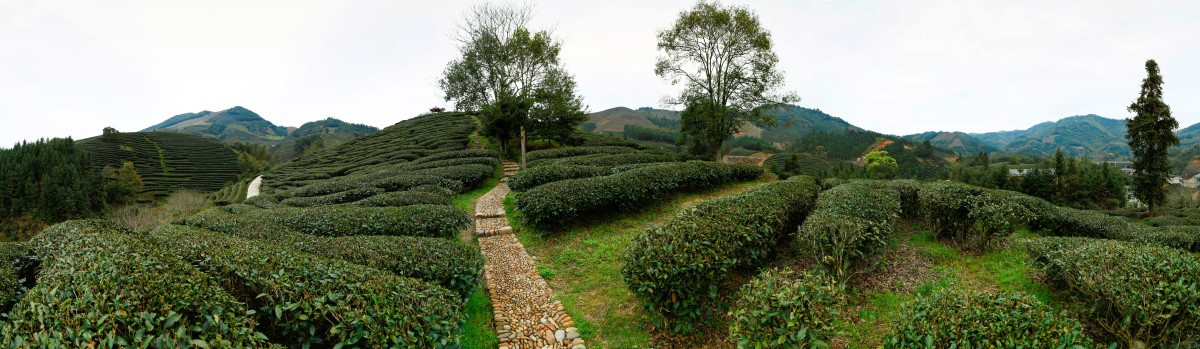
(527, 316)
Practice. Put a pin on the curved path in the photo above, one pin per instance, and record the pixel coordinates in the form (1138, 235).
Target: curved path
(527, 316)
(254, 187)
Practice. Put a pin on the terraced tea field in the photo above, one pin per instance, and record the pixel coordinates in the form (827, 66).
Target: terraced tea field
(168, 161)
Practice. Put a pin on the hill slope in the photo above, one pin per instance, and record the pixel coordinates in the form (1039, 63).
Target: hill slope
(230, 125)
(167, 161)
(317, 135)
(1089, 136)
(791, 122)
(957, 142)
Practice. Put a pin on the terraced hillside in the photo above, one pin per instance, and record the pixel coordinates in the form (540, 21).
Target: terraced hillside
(167, 161)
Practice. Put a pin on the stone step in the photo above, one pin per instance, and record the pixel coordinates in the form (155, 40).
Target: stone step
(493, 214)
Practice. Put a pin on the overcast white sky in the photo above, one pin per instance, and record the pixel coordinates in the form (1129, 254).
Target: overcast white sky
(69, 68)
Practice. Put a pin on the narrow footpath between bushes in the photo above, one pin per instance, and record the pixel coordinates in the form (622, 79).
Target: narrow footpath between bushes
(253, 189)
(527, 316)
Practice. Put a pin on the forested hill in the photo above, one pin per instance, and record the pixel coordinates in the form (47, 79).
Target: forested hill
(228, 126)
(1090, 136)
(166, 161)
(317, 135)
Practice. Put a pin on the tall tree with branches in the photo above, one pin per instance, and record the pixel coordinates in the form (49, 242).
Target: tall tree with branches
(1151, 132)
(724, 59)
(512, 75)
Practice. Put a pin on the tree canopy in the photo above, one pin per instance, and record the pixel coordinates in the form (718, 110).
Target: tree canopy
(504, 62)
(1151, 132)
(724, 59)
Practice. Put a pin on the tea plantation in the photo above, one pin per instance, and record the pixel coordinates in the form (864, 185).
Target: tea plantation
(167, 161)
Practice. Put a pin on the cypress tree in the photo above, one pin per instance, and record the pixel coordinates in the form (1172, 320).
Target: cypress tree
(1150, 134)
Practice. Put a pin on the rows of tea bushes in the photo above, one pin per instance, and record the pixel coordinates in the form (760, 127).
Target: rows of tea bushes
(608, 159)
(848, 224)
(441, 221)
(167, 161)
(1139, 295)
(560, 203)
(99, 286)
(535, 176)
(303, 300)
(677, 268)
(405, 198)
(559, 153)
(972, 319)
(449, 263)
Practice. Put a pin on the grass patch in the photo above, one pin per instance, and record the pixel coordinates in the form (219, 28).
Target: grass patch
(584, 265)
(869, 316)
(478, 333)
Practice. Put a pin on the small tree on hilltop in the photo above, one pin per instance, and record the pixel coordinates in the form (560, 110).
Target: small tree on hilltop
(1151, 132)
(503, 61)
(724, 58)
(880, 165)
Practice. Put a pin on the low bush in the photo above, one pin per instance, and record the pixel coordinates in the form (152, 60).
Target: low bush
(415, 220)
(1186, 238)
(303, 300)
(409, 181)
(351, 195)
(847, 225)
(262, 201)
(486, 161)
(434, 189)
(535, 176)
(1165, 221)
(1072, 222)
(776, 309)
(469, 176)
(100, 286)
(977, 217)
(947, 208)
(469, 153)
(326, 188)
(17, 267)
(972, 319)
(1141, 295)
(449, 263)
(575, 151)
(677, 268)
(610, 159)
(557, 204)
(404, 198)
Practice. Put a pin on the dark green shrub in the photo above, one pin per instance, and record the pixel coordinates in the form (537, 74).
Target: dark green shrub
(468, 175)
(557, 204)
(575, 151)
(344, 220)
(434, 189)
(535, 176)
(326, 188)
(971, 319)
(1141, 295)
(947, 208)
(677, 268)
(449, 263)
(100, 286)
(351, 195)
(486, 161)
(304, 300)
(1164, 221)
(262, 201)
(610, 159)
(995, 217)
(777, 309)
(847, 225)
(409, 181)
(1073, 222)
(1182, 237)
(16, 264)
(404, 198)
(469, 153)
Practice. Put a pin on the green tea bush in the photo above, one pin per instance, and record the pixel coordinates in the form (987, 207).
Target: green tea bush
(1186, 238)
(575, 151)
(977, 217)
(535, 176)
(16, 265)
(995, 217)
(409, 181)
(468, 175)
(304, 300)
(557, 204)
(469, 153)
(1164, 221)
(345, 220)
(486, 161)
(847, 225)
(404, 198)
(908, 192)
(610, 159)
(1141, 295)
(263, 201)
(954, 318)
(947, 208)
(449, 263)
(433, 189)
(1073, 222)
(677, 268)
(326, 188)
(351, 195)
(99, 286)
(777, 309)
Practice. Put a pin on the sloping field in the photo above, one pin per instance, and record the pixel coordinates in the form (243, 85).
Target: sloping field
(168, 161)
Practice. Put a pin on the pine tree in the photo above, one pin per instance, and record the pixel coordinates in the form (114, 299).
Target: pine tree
(1150, 134)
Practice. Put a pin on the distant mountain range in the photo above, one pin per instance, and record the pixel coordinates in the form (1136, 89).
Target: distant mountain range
(792, 122)
(239, 124)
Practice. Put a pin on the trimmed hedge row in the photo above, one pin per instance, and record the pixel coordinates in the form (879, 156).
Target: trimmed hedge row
(972, 319)
(344, 220)
(609, 159)
(1141, 295)
(332, 199)
(847, 225)
(486, 161)
(535, 176)
(973, 216)
(99, 286)
(449, 263)
(575, 151)
(469, 153)
(677, 268)
(15, 264)
(1186, 238)
(559, 203)
(776, 309)
(303, 300)
(409, 181)
(405, 198)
